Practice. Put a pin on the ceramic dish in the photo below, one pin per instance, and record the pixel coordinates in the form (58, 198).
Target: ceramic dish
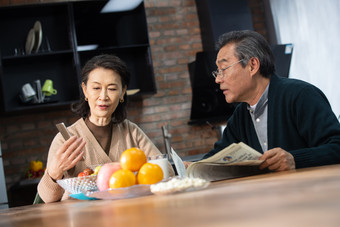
(30, 41)
(38, 36)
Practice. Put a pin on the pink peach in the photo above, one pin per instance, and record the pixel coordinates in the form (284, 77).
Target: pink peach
(104, 175)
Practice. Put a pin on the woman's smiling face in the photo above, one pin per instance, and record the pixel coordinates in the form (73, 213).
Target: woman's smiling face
(103, 90)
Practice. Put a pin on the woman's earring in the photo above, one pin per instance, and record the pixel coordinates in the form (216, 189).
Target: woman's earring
(121, 100)
(86, 99)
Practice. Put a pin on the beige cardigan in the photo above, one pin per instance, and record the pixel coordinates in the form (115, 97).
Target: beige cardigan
(124, 135)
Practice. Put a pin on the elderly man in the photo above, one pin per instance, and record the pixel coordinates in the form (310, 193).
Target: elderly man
(288, 120)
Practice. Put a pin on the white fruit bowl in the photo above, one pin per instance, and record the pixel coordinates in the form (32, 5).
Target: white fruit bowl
(77, 185)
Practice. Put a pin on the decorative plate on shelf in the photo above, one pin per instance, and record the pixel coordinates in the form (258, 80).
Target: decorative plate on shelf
(30, 41)
(38, 36)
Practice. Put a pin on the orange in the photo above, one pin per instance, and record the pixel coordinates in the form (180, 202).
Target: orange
(132, 159)
(149, 173)
(122, 178)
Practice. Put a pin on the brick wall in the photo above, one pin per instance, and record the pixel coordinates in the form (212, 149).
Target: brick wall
(175, 38)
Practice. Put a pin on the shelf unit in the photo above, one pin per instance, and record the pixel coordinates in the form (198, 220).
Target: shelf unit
(73, 32)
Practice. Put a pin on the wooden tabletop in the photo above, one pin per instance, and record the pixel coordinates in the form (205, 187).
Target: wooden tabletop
(306, 197)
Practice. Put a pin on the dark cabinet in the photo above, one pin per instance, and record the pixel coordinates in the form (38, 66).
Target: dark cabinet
(72, 33)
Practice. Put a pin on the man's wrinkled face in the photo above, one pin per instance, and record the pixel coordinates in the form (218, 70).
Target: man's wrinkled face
(236, 80)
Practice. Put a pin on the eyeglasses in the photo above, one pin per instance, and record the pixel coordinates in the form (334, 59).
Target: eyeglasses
(220, 72)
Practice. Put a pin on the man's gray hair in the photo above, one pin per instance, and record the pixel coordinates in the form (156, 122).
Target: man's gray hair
(250, 44)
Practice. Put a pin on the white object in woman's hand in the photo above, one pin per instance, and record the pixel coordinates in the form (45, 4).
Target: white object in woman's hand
(66, 157)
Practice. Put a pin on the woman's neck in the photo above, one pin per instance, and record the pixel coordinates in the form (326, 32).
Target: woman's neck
(100, 121)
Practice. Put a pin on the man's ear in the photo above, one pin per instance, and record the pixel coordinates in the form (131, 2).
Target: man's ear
(254, 65)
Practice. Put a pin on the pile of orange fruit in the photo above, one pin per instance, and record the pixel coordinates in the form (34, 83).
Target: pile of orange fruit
(135, 170)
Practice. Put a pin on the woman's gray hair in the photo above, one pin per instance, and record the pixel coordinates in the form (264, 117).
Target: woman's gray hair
(250, 44)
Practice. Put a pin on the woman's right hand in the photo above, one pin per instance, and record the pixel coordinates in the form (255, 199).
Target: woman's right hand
(66, 157)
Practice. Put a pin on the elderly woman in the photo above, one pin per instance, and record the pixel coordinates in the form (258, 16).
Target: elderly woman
(101, 134)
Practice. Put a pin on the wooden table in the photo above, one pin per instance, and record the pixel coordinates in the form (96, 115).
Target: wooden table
(308, 197)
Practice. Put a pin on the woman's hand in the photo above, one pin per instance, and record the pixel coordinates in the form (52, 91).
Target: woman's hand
(277, 159)
(66, 157)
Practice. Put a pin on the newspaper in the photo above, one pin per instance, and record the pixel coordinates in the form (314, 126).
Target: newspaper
(236, 160)
(236, 153)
